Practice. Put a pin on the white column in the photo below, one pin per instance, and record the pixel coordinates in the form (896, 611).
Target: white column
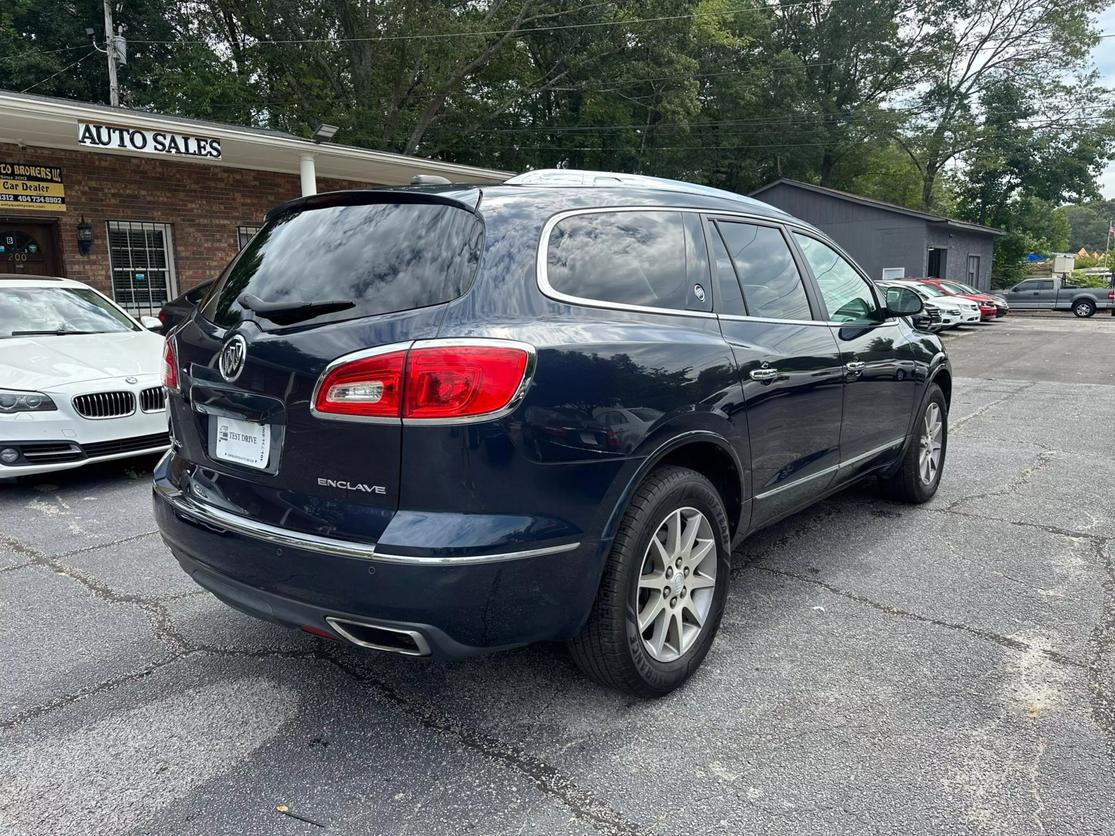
(308, 174)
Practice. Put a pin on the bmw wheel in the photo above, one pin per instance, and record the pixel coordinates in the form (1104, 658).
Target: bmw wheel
(663, 589)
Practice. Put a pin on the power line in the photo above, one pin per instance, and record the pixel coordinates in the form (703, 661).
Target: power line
(67, 67)
(523, 31)
(559, 149)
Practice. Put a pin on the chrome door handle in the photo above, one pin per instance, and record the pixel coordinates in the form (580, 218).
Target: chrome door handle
(764, 375)
(856, 366)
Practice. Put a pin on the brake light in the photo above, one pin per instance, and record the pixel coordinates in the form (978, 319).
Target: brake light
(368, 387)
(1111, 294)
(427, 382)
(170, 365)
(462, 381)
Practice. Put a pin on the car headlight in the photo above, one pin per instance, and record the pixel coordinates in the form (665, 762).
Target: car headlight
(12, 400)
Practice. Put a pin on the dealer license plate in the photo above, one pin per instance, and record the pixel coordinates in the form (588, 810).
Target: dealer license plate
(242, 442)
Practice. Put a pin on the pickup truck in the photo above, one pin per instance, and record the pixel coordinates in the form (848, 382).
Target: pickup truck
(1051, 293)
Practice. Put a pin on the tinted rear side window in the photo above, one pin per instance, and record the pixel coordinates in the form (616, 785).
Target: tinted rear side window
(383, 257)
(772, 286)
(633, 258)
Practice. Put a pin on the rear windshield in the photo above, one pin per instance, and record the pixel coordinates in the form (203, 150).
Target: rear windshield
(381, 257)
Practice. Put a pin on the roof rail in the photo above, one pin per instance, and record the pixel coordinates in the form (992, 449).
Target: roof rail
(576, 177)
(26, 276)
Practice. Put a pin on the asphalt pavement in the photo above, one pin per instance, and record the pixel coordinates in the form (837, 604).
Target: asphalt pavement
(881, 668)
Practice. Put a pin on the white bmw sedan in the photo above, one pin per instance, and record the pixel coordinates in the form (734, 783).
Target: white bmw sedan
(80, 380)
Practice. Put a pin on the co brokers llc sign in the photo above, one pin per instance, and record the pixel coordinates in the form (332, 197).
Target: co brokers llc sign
(149, 142)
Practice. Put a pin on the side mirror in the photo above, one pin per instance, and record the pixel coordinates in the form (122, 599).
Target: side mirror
(151, 323)
(901, 301)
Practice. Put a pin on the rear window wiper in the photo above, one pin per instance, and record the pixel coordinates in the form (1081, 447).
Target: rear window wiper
(287, 313)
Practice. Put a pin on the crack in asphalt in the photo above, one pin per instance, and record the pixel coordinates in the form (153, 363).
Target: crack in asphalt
(130, 538)
(1043, 458)
(547, 778)
(987, 407)
(550, 781)
(1071, 533)
(107, 685)
(160, 617)
(978, 632)
(1101, 695)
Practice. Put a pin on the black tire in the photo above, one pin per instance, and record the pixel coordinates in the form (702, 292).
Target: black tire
(609, 648)
(1083, 308)
(907, 484)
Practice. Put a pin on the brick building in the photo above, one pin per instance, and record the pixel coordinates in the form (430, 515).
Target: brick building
(161, 202)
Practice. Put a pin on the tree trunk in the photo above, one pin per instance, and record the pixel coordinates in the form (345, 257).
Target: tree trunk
(928, 184)
(828, 163)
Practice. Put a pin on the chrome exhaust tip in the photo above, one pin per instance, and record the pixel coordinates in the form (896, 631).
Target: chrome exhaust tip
(378, 637)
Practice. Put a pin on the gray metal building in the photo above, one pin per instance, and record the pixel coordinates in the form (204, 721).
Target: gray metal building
(890, 241)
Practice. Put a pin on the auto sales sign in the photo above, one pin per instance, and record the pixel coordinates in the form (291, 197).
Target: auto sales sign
(116, 138)
(31, 186)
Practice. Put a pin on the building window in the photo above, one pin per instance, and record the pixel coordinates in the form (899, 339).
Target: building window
(244, 234)
(141, 261)
(973, 270)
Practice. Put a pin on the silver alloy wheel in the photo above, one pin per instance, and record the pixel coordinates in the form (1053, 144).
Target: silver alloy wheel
(1083, 309)
(929, 460)
(676, 584)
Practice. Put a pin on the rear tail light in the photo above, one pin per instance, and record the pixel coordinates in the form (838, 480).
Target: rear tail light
(368, 387)
(462, 381)
(1111, 294)
(433, 381)
(170, 365)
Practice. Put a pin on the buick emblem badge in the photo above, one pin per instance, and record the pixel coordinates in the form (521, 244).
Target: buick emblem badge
(230, 362)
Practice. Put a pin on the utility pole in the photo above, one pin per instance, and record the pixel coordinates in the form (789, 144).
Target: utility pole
(1108, 265)
(110, 53)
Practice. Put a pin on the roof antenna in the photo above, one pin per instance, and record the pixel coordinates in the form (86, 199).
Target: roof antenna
(430, 180)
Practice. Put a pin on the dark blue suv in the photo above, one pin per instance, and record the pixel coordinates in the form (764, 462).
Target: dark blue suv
(450, 420)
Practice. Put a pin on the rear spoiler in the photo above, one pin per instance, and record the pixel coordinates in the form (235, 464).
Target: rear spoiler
(363, 197)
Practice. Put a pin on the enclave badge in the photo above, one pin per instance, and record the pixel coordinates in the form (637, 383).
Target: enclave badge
(351, 486)
(231, 360)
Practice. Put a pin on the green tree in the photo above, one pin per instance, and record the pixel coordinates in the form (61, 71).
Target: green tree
(1089, 223)
(44, 49)
(854, 57)
(1041, 47)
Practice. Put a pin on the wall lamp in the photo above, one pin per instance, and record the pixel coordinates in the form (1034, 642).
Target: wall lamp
(324, 133)
(84, 236)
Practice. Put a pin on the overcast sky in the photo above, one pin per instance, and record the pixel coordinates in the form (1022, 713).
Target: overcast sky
(1105, 59)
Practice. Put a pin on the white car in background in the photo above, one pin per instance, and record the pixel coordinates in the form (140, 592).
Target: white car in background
(968, 310)
(948, 315)
(80, 379)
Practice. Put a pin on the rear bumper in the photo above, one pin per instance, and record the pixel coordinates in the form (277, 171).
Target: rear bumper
(459, 606)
